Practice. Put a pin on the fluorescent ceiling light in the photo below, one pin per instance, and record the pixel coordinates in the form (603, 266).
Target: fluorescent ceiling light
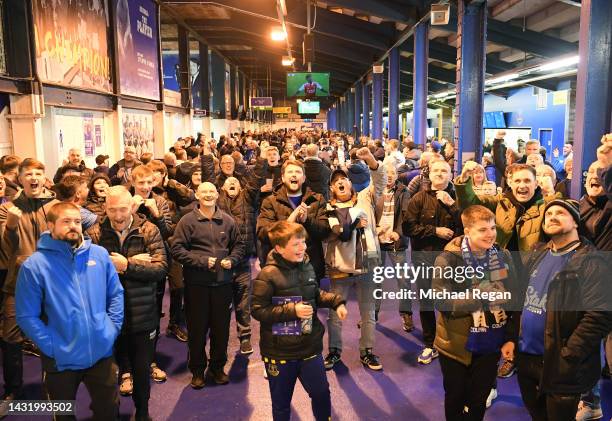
(559, 64)
(503, 78)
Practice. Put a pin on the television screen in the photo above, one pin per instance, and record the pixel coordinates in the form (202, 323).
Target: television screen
(308, 107)
(307, 85)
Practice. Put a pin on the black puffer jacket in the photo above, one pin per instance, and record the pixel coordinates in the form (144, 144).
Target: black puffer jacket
(278, 208)
(596, 221)
(317, 176)
(424, 214)
(280, 278)
(139, 280)
(572, 337)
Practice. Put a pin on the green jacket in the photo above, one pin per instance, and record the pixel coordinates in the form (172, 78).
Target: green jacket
(528, 227)
(453, 326)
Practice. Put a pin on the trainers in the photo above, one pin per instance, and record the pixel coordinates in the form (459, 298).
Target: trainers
(4, 404)
(332, 358)
(587, 412)
(265, 373)
(219, 376)
(427, 355)
(492, 397)
(407, 323)
(157, 374)
(30, 348)
(370, 360)
(197, 380)
(507, 369)
(126, 387)
(245, 346)
(177, 332)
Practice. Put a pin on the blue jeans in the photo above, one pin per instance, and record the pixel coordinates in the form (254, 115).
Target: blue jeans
(397, 257)
(282, 376)
(365, 297)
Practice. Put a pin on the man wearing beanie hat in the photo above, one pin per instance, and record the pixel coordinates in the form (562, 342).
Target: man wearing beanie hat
(565, 316)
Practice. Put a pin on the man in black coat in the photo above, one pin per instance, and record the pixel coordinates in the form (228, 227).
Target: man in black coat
(137, 250)
(207, 242)
(296, 203)
(565, 316)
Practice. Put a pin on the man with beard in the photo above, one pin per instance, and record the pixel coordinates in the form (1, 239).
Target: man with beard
(208, 244)
(352, 251)
(121, 172)
(518, 214)
(240, 204)
(69, 301)
(565, 316)
(138, 253)
(432, 220)
(296, 203)
(22, 221)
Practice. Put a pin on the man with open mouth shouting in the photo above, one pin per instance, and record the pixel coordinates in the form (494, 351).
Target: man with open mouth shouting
(22, 221)
(296, 203)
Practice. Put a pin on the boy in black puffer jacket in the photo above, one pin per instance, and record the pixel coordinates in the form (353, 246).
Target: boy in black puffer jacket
(288, 273)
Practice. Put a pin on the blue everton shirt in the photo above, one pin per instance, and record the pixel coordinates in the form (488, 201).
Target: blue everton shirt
(533, 319)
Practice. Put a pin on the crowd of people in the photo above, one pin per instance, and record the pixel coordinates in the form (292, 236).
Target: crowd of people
(251, 223)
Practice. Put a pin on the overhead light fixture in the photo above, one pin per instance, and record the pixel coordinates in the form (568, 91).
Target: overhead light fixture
(278, 34)
(283, 7)
(501, 79)
(559, 64)
(287, 61)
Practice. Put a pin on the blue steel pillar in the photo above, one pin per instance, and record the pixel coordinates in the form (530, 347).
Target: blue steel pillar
(377, 114)
(358, 104)
(350, 110)
(394, 90)
(593, 87)
(365, 121)
(471, 61)
(419, 81)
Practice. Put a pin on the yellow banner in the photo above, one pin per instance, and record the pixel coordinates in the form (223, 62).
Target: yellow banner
(281, 110)
(559, 97)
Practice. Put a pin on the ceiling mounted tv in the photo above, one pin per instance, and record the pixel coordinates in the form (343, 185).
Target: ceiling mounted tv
(307, 84)
(309, 107)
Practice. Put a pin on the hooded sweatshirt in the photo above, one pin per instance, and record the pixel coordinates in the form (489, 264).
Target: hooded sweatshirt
(70, 302)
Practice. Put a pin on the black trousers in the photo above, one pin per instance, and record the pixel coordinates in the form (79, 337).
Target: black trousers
(242, 300)
(101, 382)
(11, 344)
(208, 309)
(426, 306)
(137, 349)
(175, 281)
(467, 386)
(545, 406)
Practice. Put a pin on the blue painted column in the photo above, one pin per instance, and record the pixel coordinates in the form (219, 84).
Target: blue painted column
(350, 111)
(358, 105)
(340, 115)
(471, 61)
(419, 82)
(331, 118)
(377, 115)
(593, 87)
(394, 90)
(365, 121)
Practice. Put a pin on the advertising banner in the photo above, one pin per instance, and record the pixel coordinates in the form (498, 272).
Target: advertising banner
(88, 139)
(71, 43)
(261, 103)
(137, 35)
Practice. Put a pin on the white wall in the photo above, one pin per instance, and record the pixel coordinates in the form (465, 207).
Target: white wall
(6, 146)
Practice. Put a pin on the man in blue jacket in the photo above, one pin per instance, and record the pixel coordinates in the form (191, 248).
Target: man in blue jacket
(69, 301)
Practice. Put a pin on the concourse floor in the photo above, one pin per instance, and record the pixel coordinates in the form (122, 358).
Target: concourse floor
(404, 390)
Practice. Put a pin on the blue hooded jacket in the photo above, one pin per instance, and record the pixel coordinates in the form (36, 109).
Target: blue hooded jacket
(70, 303)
